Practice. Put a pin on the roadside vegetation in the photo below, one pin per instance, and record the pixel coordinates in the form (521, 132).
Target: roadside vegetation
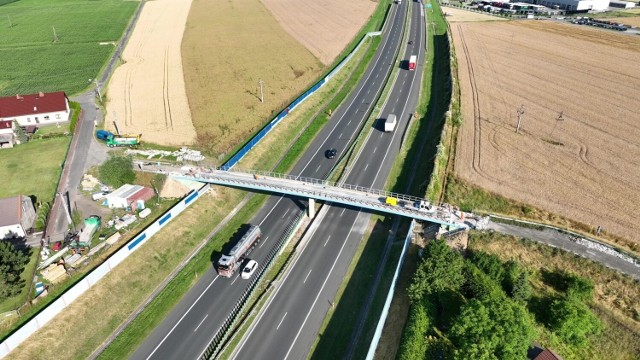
(12, 264)
(58, 45)
(491, 304)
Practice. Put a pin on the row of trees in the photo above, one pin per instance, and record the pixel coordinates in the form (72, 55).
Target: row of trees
(478, 308)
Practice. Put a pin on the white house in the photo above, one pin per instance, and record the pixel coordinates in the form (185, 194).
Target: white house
(7, 136)
(35, 109)
(17, 216)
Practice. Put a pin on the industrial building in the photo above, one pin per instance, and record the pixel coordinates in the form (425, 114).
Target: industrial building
(573, 5)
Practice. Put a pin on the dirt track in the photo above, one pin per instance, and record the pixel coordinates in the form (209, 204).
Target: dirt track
(323, 27)
(578, 151)
(147, 93)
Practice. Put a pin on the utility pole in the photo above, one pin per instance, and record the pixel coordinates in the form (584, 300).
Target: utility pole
(520, 113)
(55, 35)
(95, 81)
(261, 96)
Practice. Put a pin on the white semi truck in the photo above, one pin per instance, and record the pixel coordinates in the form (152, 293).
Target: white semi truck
(229, 263)
(390, 123)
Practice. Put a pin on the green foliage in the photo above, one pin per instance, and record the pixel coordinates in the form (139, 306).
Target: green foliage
(439, 270)
(573, 321)
(75, 107)
(413, 339)
(41, 216)
(494, 328)
(20, 134)
(43, 64)
(489, 264)
(117, 171)
(478, 285)
(12, 263)
(579, 288)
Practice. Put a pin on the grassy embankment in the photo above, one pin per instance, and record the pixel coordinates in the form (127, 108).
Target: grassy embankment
(614, 302)
(338, 331)
(58, 45)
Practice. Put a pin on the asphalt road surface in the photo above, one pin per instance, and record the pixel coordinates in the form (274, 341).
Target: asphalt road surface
(189, 328)
(289, 324)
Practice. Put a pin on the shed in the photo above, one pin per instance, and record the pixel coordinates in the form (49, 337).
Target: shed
(17, 216)
(127, 195)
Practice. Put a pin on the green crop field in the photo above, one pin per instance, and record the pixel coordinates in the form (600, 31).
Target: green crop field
(58, 45)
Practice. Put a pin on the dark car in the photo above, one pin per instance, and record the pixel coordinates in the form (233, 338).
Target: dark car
(410, 42)
(330, 153)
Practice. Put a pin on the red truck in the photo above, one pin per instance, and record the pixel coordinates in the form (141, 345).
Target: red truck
(412, 62)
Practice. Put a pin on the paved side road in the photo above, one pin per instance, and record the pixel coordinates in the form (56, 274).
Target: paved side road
(563, 241)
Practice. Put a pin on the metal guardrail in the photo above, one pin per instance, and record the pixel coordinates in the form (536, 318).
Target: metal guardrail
(221, 336)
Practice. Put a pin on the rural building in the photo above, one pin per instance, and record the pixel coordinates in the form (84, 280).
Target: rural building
(35, 109)
(573, 5)
(17, 216)
(7, 136)
(128, 195)
(622, 4)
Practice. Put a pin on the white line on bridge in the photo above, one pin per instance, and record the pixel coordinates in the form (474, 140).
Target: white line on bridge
(280, 323)
(305, 279)
(262, 242)
(325, 243)
(197, 327)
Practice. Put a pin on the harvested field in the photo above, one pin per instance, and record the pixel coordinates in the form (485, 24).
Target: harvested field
(323, 27)
(578, 150)
(459, 15)
(147, 93)
(222, 70)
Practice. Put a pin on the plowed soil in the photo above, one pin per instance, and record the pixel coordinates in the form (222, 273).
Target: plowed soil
(323, 27)
(147, 93)
(578, 150)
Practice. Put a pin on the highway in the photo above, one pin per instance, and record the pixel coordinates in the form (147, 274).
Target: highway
(189, 328)
(288, 325)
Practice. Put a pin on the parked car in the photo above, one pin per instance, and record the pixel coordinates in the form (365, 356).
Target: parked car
(99, 195)
(249, 269)
(330, 153)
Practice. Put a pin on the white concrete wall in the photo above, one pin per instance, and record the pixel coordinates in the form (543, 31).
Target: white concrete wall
(15, 229)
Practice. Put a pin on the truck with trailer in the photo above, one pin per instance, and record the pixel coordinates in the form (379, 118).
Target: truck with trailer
(125, 140)
(390, 123)
(230, 262)
(412, 62)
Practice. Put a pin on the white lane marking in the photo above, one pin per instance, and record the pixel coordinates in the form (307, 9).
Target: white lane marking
(317, 169)
(366, 167)
(262, 242)
(181, 318)
(285, 214)
(374, 149)
(270, 211)
(234, 280)
(342, 212)
(197, 327)
(349, 122)
(325, 243)
(335, 261)
(340, 136)
(280, 323)
(306, 277)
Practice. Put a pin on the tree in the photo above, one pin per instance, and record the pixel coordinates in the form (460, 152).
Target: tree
(494, 328)
(573, 321)
(579, 288)
(414, 344)
(117, 171)
(440, 269)
(516, 282)
(490, 264)
(20, 133)
(478, 285)
(12, 262)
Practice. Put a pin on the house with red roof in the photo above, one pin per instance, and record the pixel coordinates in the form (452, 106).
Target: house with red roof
(35, 109)
(7, 136)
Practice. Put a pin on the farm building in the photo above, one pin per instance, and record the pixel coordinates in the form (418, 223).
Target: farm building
(17, 216)
(573, 5)
(35, 109)
(7, 136)
(128, 196)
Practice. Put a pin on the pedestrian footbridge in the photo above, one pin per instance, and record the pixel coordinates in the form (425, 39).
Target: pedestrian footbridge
(316, 189)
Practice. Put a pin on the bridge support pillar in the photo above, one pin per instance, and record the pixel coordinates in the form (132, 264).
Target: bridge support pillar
(312, 208)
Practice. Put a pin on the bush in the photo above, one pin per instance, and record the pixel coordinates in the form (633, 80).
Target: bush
(440, 269)
(420, 321)
(479, 285)
(516, 282)
(117, 171)
(489, 264)
(74, 116)
(573, 321)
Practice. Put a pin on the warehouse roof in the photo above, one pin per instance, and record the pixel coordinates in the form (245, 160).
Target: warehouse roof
(125, 191)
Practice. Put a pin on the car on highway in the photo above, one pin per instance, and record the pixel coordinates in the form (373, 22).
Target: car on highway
(249, 269)
(330, 153)
(410, 42)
